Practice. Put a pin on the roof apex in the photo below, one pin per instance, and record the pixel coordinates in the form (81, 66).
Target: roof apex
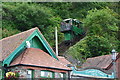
(17, 44)
(13, 41)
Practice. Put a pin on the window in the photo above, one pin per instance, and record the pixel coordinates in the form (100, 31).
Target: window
(58, 75)
(30, 74)
(37, 73)
(46, 74)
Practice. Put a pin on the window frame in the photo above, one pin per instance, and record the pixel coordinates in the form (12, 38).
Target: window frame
(32, 73)
(59, 73)
(46, 76)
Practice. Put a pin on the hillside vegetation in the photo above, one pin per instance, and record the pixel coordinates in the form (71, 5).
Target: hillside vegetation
(100, 19)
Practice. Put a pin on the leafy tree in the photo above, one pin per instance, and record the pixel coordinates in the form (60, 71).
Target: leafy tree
(18, 17)
(98, 45)
(8, 29)
(79, 10)
(79, 51)
(104, 23)
(63, 10)
(23, 16)
(27, 15)
(101, 36)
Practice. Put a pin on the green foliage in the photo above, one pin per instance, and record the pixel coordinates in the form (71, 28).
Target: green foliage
(27, 15)
(8, 29)
(24, 16)
(63, 10)
(98, 45)
(80, 48)
(82, 8)
(101, 23)
(101, 36)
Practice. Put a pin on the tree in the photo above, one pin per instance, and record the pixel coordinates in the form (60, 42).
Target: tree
(24, 16)
(101, 36)
(27, 15)
(103, 23)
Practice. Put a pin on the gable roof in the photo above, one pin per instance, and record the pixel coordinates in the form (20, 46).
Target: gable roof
(17, 44)
(37, 57)
(9, 44)
(101, 61)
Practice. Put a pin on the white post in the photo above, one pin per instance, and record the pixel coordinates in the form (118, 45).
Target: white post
(56, 40)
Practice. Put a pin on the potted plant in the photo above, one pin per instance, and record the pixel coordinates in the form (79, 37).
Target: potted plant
(12, 76)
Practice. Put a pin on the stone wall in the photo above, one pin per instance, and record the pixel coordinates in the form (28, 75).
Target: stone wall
(23, 73)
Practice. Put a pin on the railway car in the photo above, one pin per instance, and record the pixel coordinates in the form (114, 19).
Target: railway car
(72, 29)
